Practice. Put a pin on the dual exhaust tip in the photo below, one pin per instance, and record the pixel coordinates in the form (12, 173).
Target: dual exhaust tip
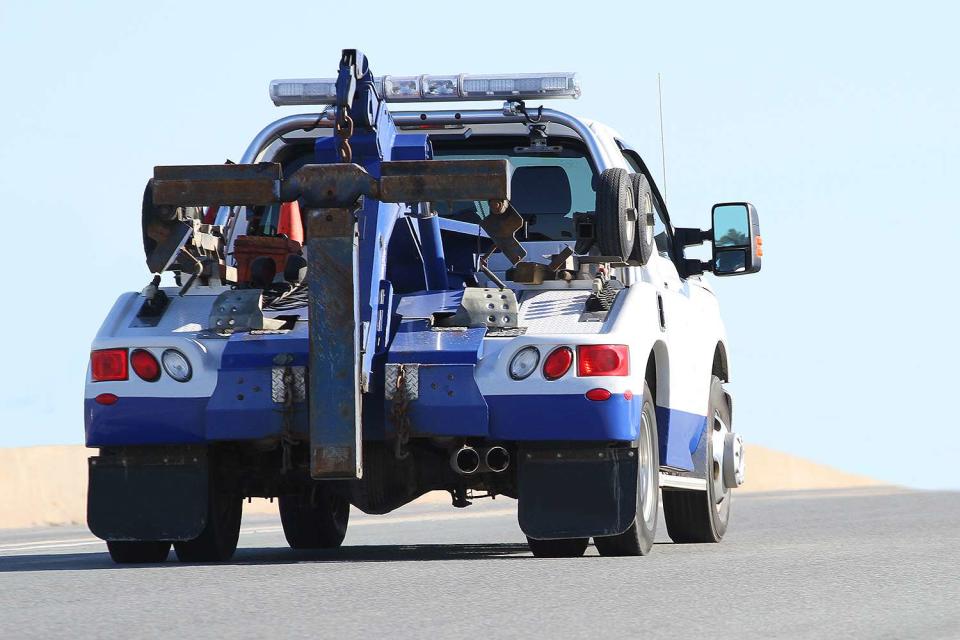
(467, 460)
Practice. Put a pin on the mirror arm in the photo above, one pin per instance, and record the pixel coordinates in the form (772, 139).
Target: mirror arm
(690, 237)
(694, 267)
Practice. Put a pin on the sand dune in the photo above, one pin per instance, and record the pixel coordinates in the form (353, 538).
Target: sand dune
(48, 485)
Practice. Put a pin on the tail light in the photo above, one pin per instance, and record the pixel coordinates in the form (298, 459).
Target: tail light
(145, 365)
(108, 364)
(557, 363)
(603, 360)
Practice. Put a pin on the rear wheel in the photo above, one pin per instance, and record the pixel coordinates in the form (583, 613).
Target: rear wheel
(218, 540)
(562, 548)
(124, 552)
(638, 539)
(314, 519)
(702, 516)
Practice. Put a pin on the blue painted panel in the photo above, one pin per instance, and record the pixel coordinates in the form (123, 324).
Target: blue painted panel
(245, 350)
(449, 403)
(411, 146)
(678, 432)
(415, 342)
(242, 408)
(325, 150)
(133, 421)
(563, 417)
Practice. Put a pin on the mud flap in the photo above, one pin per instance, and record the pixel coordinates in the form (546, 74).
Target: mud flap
(147, 497)
(577, 493)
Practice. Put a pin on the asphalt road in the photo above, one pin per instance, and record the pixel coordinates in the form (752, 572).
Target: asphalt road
(864, 564)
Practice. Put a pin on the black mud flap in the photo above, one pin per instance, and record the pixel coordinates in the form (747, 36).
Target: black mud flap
(147, 496)
(577, 493)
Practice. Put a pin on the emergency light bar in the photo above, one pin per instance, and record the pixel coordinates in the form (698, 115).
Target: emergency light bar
(456, 88)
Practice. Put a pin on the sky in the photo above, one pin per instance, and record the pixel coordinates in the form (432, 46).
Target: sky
(840, 123)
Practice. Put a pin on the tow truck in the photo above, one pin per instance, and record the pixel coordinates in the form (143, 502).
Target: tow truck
(373, 304)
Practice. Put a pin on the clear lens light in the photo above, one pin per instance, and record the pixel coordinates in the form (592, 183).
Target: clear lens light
(176, 365)
(524, 362)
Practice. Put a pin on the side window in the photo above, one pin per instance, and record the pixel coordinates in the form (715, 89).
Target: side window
(661, 230)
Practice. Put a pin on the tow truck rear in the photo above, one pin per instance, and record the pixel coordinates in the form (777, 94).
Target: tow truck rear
(373, 305)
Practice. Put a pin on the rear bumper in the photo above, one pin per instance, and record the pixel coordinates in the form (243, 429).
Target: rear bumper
(564, 417)
(252, 415)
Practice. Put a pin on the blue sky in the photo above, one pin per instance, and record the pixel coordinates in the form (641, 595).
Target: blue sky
(841, 124)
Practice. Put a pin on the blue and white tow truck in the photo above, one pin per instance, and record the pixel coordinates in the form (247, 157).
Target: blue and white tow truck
(371, 305)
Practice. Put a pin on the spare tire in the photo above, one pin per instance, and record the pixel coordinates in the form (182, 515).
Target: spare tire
(643, 245)
(616, 214)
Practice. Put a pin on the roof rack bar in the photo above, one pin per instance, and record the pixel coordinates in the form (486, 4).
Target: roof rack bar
(306, 121)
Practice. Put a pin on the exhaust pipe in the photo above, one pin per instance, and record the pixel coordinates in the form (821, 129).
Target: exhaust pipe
(465, 460)
(497, 459)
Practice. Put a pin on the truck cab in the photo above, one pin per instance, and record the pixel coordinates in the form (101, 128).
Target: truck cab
(373, 304)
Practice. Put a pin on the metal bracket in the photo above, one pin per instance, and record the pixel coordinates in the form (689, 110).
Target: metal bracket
(481, 307)
(240, 310)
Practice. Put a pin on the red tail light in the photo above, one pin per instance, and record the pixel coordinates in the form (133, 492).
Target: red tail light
(557, 363)
(145, 365)
(603, 360)
(108, 364)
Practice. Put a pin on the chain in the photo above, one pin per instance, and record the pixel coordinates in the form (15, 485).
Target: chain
(287, 439)
(401, 419)
(343, 129)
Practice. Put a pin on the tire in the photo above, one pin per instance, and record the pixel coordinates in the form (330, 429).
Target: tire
(702, 516)
(561, 548)
(123, 552)
(314, 519)
(218, 540)
(643, 245)
(616, 214)
(638, 539)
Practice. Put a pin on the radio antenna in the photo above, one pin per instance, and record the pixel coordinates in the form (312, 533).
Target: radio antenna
(663, 150)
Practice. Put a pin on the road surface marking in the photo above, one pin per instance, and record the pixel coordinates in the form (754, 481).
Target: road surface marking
(49, 545)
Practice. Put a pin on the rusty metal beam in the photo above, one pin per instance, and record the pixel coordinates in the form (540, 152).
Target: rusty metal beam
(334, 371)
(218, 184)
(444, 180)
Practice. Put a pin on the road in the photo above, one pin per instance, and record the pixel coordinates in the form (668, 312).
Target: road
(880, 563)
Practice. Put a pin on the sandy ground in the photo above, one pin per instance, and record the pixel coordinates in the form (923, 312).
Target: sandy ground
(48, 485)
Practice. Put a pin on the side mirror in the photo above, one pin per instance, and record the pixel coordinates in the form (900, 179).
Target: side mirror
(737, 245)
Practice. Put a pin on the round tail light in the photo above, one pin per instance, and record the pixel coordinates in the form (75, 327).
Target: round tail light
(524, 362)
(557, 363)
(145, 365)
(176, 365)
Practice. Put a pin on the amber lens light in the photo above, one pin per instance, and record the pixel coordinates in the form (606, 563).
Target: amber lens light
(108, 364)
(557, 363)
(603, 360)
(145, 365)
